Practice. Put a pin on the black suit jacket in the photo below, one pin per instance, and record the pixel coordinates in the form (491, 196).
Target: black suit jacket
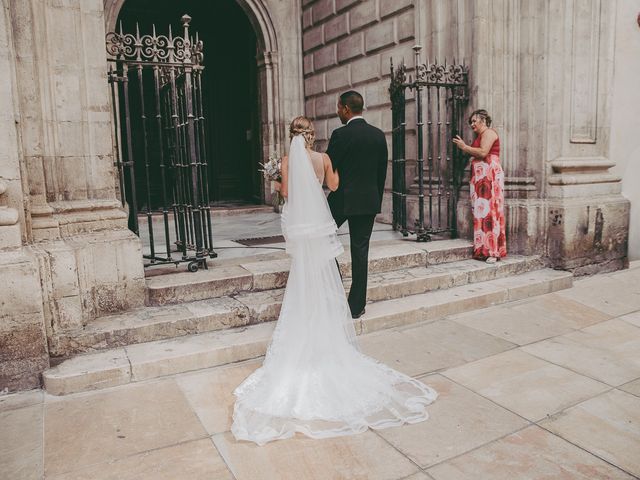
(359, 152)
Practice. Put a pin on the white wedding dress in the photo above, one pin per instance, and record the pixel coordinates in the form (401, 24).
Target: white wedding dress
(314, 379)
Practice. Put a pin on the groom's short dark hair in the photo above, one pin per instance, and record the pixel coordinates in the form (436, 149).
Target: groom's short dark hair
(353, 100)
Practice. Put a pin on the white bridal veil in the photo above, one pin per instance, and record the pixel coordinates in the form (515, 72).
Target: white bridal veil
(314, 380)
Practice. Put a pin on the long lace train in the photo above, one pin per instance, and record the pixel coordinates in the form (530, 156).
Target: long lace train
(314, 379)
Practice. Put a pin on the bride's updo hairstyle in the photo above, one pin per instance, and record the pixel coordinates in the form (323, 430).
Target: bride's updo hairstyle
(303, 126)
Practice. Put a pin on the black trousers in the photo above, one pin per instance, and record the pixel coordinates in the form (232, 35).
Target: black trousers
(360, 228)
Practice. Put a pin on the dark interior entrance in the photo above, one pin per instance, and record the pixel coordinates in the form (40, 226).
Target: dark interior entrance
(231, 99)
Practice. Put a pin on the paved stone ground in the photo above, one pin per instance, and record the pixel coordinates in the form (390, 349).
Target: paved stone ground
(544, 388)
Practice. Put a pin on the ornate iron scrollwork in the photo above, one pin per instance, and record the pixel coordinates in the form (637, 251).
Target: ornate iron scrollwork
(155, 48)
(435, 74)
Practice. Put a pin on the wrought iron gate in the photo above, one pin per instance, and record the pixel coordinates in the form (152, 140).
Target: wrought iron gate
(160, 148)
(441, 91)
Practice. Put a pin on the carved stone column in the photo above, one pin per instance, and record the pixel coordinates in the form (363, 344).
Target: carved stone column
(588, 217)
(90, 263)
(23, 346)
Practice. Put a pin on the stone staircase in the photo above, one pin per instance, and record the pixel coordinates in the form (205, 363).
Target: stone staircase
(225, 314)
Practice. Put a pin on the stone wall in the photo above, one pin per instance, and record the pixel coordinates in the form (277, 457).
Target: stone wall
(347, 45)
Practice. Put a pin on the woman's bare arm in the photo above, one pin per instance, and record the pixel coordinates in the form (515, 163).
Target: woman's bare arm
(331, 177)
(488, 137)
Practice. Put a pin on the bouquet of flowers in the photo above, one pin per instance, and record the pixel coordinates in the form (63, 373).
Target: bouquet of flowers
(272, 170)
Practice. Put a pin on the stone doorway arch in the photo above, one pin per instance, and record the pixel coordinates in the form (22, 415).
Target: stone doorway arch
(272, 68)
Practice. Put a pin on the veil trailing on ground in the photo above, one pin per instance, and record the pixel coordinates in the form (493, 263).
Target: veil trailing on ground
(314, 379)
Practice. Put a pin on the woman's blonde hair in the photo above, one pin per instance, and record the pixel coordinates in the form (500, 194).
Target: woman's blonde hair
(303, 126)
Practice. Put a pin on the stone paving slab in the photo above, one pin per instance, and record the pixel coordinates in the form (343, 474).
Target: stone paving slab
(524, 384)
(532, 453)
(363, 456)
(608, 351)
(533, 319)
(607, 425)
(21, 442)
(460, 421)
(195, 459)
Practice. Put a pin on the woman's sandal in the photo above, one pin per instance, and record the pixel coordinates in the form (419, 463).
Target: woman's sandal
(491, 260)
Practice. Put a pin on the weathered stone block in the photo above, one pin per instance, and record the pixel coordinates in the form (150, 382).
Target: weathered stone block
(64, 271)
(314, 84)
(405, 26)
(307, 63)
(337, 27)
(181, 287)
(89, 372)
(365, 69)
(351, 47)
(376, 94)
(23, 345)
(325, 57)
(379, 36)
(389, 8)
(326, 105)
(312, 38)
(338, 78)
(310, 109)
(344, 4)
(10, 236)
(323, 9)
(70, 143)
(307, 18)
(69, 312)
(587, 232)
(363, 15)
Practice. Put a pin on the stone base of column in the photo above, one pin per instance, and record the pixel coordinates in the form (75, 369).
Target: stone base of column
(584, 235)
(525, 222)
(588, 235)
(89, 275)
(23, 343)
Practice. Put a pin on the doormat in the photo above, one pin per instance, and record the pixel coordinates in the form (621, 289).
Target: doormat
(251, 242)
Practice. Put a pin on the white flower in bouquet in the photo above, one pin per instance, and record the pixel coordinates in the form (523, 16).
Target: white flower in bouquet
(272, 170)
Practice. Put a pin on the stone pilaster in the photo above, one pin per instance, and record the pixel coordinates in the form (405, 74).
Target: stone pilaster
(588, 217)
(89, 262)
(23, 346)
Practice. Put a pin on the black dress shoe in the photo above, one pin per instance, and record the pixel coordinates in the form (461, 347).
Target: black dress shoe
(357, 315)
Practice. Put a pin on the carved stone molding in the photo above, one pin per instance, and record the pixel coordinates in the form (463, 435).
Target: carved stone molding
(582, 170)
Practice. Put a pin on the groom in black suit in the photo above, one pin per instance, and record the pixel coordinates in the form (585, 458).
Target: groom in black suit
(359, 152)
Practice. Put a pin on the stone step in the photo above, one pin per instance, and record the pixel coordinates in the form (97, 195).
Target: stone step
(145, 361)
(255, 274)
(148, 324)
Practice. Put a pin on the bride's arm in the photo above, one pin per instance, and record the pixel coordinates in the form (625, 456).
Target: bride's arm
(331, 177)
(284, 187)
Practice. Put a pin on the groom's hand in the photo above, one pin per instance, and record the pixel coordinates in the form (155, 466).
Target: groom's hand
(277, 186)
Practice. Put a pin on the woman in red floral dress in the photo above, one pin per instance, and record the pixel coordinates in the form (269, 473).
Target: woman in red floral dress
(487, 189)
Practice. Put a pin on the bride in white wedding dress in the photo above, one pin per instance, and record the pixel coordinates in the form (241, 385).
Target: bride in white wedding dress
(314, 379)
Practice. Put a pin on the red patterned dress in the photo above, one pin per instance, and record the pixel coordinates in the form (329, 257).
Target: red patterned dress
(487, 201)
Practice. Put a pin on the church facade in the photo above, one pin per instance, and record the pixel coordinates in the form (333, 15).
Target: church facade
(544, 70)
